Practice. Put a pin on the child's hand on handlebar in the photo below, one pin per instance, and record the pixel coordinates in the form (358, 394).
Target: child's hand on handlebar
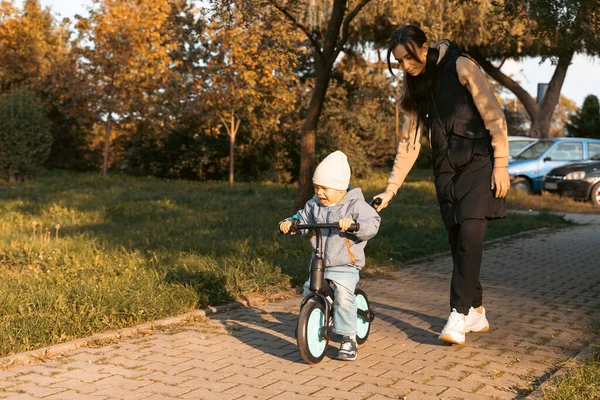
(285, 226)
(345, 223)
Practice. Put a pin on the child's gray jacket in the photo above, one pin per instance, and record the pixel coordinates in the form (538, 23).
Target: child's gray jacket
(342, 248)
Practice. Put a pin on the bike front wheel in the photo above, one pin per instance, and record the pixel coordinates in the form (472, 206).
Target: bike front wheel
(312, 343)
(363, 316)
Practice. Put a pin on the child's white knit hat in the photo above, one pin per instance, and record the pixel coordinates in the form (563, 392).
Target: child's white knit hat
(333, 172)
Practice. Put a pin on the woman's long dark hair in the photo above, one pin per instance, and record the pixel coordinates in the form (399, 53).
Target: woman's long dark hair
(415, 88)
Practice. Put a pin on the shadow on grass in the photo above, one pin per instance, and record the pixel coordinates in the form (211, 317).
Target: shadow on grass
(203, 284)
(202, 236)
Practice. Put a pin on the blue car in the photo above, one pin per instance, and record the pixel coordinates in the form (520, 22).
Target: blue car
(528, 168)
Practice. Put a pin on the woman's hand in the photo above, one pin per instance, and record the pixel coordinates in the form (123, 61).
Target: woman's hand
(500, 181)
(386, 198)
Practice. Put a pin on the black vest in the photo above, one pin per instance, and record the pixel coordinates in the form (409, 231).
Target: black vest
(450, 108)
(456, 130)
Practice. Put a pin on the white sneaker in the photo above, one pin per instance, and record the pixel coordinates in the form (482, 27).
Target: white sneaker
(454, 331)
(475, 322)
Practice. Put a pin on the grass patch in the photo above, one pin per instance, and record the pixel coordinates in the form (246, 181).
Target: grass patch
(581, 382)
(80, 254)
(518, 200)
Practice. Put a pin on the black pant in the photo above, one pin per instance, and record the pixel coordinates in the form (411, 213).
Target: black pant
(466, 242)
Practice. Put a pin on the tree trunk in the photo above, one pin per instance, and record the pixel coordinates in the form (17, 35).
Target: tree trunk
(324, 59)
(231, 148)
(232, 133)
(540, 114)
(12, 177)
(308, 138)
(324, 63)
(541, 126)
(107, 144)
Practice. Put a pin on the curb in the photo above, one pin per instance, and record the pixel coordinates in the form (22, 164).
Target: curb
(548, 379)
(58, 349)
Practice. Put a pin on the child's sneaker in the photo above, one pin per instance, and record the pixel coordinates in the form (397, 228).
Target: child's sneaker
(348, 349)
(454, 331)
(476, 322)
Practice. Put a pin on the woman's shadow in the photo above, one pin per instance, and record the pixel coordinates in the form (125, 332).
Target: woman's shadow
(413, 332)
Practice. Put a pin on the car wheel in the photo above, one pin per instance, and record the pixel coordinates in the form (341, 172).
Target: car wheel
(521, 184)
(595, 196)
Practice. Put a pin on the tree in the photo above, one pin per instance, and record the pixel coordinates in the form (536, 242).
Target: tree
(188, 32)
(30, 44)
(586, 121)
(249, 75)
(493, 32)
(358, 115)
(327, 26)
(124, 60)
(24, 134)
(35, 52)
(554, 30)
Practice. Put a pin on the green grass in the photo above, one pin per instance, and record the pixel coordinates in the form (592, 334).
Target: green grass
(130, 250)
(519, 200)
(581, 382)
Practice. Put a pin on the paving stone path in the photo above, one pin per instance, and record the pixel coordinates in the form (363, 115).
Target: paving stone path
(541, 291)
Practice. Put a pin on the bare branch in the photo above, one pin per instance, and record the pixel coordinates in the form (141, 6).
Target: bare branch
(347, 21)
(506, 81)
(237, 126)
(378, 65)
(300, 26)
(502, 63)
(225, 125)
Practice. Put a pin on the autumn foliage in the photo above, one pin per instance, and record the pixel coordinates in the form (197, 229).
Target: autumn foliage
(245, 90)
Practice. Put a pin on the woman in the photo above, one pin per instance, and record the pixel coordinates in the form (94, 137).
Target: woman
(447, 97)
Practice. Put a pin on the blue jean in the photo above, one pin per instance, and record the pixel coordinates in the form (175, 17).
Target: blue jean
(344, 280)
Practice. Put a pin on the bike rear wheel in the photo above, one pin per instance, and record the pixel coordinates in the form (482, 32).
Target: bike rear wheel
(312, 344)
(363, 323)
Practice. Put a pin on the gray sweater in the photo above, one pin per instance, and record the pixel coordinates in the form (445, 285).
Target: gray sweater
(342, 248)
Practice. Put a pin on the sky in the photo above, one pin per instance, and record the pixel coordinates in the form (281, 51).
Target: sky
(583, 76)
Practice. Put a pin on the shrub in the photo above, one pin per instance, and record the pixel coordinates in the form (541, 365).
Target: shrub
(24, 134)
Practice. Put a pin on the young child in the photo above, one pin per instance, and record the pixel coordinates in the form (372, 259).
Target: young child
(343, 252)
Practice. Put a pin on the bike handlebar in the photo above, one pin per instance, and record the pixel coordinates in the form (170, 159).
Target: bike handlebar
(353, 228)
(376, 202)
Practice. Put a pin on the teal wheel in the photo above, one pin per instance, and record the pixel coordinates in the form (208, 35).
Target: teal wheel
(312, 344)
(363, 323)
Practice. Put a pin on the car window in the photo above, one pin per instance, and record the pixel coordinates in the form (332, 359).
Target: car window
(515, 146)
(594, 150)
(535, 150)
(567, 151)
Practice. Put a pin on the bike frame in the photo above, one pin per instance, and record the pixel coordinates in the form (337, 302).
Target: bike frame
(320, 287)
